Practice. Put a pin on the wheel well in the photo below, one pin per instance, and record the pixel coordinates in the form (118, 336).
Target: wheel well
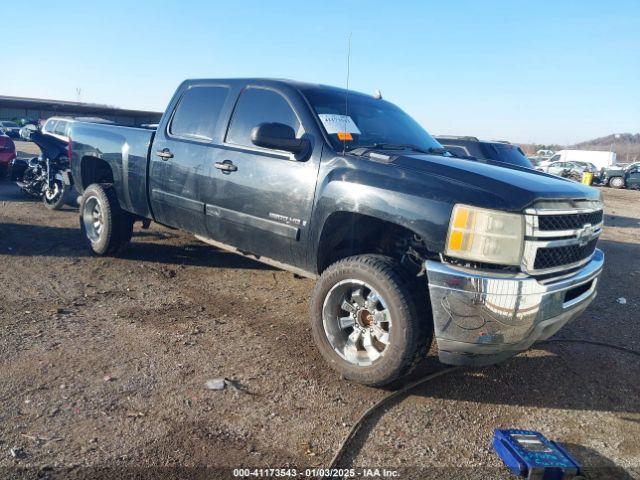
(345, 234)
(95, 170)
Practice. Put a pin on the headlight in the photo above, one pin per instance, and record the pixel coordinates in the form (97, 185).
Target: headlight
(487, 236)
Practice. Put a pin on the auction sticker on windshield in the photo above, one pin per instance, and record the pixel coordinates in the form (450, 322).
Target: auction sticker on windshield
(338, 123)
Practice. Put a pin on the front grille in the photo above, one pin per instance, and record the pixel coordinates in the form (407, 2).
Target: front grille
(557, 238)
(568, 222)
(557, 256)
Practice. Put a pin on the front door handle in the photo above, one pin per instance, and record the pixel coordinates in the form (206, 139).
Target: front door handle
(164, 154)
(227, 166)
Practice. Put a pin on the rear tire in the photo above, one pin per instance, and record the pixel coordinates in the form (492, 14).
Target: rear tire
(616, 182)
(105, 226)
(369, 319)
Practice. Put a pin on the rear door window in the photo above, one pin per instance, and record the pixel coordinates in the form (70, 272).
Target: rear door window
(49, 126)
(197, 114)
(256, 106)
(61, 128)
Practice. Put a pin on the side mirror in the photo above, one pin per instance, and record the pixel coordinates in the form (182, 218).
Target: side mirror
(279, 136)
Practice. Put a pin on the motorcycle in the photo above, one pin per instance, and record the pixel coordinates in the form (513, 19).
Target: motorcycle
(43, 176)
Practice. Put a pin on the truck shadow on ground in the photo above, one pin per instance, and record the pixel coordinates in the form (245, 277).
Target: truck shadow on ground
(621, 222)
(569, 376)
(34, 240)
(16, 196)
(593, 465)
(556, 376)
(194, 254)
(522, 381)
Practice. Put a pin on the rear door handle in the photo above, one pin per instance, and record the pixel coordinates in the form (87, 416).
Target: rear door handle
(164, 154)
(227, 166)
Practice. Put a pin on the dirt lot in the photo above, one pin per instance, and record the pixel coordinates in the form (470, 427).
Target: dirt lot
(103, 364)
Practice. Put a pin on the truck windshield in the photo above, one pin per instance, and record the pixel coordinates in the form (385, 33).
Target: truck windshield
(366, 122)
(507, 153)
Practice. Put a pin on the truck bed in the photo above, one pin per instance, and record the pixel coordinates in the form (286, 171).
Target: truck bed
(125, 150)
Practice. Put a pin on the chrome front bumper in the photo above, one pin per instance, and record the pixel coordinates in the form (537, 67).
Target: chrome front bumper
(484, 318)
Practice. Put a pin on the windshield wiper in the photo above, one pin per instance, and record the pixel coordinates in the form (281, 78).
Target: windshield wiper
(401, 146)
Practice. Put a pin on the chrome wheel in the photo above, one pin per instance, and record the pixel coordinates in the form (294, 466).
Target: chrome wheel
(51, 195)
(93, 219)
(356, 322)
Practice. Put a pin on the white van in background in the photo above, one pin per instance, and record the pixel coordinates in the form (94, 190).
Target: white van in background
(599, 159)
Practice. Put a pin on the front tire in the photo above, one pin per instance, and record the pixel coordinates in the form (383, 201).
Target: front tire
(105, 226)
(616, 182)
(369, 320)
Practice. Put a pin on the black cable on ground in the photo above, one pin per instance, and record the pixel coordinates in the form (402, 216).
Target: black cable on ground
(386, 399)
(591, 342)
(383, 401)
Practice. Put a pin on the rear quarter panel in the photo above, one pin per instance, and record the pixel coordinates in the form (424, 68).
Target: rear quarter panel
(125, 150)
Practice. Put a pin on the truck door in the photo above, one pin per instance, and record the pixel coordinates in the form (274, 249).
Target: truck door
(181, 158)
(262, 199)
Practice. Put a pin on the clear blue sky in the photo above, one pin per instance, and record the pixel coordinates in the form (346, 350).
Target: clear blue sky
(539, 71)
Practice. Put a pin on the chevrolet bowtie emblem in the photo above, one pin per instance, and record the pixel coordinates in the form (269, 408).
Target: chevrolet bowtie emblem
(585, 234)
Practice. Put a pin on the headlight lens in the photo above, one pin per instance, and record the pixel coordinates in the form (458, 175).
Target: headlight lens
(487, 236)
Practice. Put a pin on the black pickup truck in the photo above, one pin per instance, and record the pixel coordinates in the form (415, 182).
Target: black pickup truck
(406, 241)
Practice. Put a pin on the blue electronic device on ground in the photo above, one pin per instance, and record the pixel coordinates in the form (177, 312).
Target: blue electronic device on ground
(531, 455)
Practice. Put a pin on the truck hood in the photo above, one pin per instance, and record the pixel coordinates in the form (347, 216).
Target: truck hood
(507, 187)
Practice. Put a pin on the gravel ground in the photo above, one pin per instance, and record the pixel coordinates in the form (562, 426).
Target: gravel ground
(26, 149)
(103, 364)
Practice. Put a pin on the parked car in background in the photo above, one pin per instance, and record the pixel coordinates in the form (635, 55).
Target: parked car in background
(12, 129)
(555, 168)
(599, 159)
(7, 153)
(618, 176)
(497, 151)
(566, 169)
(541, 156)
(545, 153)
(571, 170)
(22, 121)
(587, 167)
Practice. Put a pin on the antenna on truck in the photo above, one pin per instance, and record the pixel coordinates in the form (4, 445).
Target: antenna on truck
(346, 97)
